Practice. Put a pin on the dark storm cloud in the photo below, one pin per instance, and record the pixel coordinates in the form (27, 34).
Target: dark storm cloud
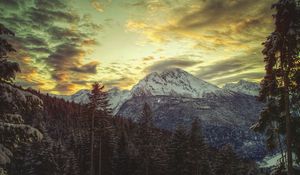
(90, 68)
(14, 4)
(58, 76)
(46, 17)
(65, 55)
(58, 34)
(65, 87)
(53, 4)
(53, 34)
(171, 63)
(40, 50)
(34, 40)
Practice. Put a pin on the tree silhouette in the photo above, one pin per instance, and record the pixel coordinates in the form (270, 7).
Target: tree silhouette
(280, 86)
(8, 69)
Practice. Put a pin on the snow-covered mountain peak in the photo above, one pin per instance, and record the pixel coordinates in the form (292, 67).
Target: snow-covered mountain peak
(173, 82)
(80, 96)
(243, 86)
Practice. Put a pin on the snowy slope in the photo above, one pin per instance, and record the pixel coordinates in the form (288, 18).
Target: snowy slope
(245, 87)
(116, 97)
(173, 82)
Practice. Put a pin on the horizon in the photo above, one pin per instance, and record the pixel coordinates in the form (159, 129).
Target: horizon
(115, 43)
(129, 89)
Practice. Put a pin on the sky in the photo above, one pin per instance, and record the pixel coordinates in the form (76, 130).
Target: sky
(65, 45)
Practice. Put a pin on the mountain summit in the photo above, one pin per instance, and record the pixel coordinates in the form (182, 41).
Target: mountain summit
(172, 82)
(243, 86)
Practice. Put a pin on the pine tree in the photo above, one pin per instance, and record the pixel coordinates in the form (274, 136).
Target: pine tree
(99, 111)
(197, 153)
(160, 160)
(145, 140)
(35, 158)
(8, 69)
(13, 132)
(226, 161)
(121, 156)
(280, 86)
(177, 152)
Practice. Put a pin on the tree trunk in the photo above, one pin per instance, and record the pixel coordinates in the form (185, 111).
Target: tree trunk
(288, 127)
(286, 81)
(147, 167)
(100, 156)
(92, 143)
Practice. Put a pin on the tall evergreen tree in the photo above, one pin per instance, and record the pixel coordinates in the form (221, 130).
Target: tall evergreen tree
(145, 140)
(226, 162)
(280, 86)
(197, 151)
(178, 152)
(121, 156)
(8, 69)
(99, 111)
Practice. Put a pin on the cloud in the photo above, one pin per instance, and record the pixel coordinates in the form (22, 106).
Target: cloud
(54, 39)
(247, 65)
(251, 76)
(36, 41)
(97, 5)
(30, 84)
(65, 55)
(149, 58)
(172, 63)
(65, 88)
(13, 4)
(90, 68)
(123, 82)
(213, 24)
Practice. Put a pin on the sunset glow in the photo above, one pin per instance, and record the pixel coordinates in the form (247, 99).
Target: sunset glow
(64, 46)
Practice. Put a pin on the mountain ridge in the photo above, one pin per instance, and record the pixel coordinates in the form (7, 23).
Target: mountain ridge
(172, 82)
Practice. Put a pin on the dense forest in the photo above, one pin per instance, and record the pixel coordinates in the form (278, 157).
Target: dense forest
(41, 134)
(52, 136)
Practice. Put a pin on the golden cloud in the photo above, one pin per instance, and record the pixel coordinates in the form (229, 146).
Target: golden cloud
(97, 5)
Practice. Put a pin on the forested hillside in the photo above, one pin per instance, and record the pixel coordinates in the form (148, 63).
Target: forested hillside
(63, 144)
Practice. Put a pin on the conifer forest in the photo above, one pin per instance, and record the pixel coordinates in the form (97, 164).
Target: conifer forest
(149, 87)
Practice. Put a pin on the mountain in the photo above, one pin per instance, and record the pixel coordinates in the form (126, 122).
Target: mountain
(80, 96)
(226, 118)
(177, 97)
(244, 87)
(173, 82)
(117, 97)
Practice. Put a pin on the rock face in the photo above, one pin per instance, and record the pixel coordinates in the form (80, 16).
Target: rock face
(225, 118)
(237, 110)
